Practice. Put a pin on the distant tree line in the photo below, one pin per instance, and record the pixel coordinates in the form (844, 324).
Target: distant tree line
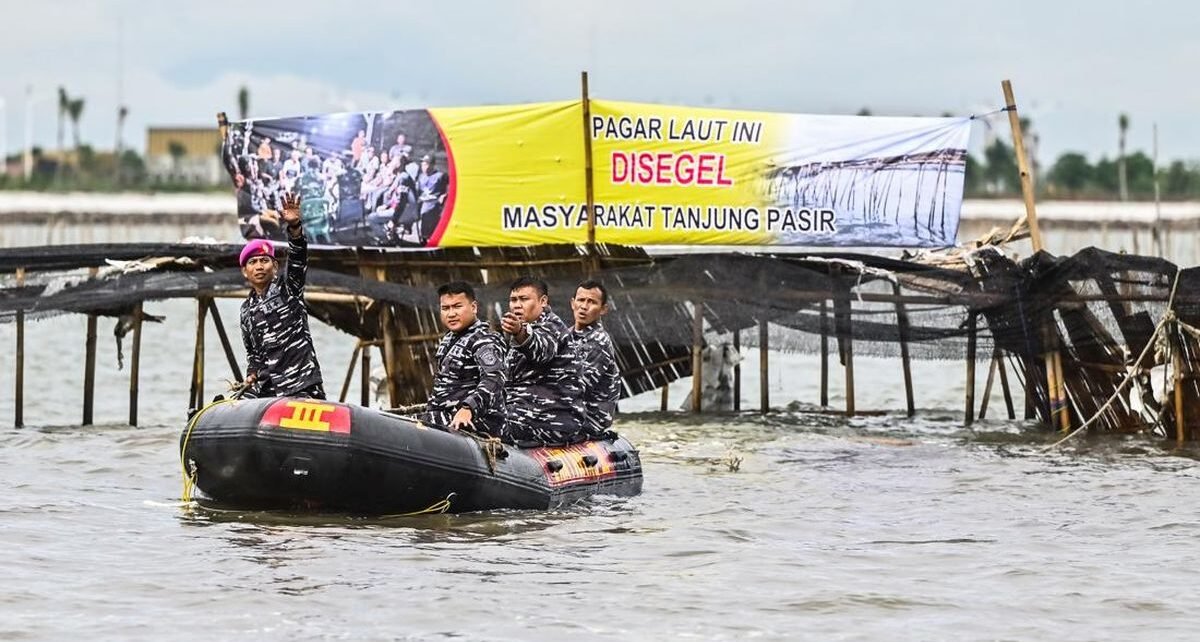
(1073, 176)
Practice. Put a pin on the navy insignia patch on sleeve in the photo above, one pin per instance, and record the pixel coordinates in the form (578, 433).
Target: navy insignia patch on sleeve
(488, 356)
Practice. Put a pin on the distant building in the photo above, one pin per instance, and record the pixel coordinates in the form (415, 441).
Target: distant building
(184, 155)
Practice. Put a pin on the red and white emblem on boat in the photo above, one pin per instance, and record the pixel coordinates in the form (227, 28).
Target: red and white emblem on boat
(306, 414)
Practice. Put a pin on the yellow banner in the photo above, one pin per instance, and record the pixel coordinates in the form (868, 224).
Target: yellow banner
(516, 175)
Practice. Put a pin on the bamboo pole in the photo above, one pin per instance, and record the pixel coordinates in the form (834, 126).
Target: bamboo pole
(389, 358)
(764, 380)
(987, 387)
(89, 364)
(226, 346)
(1008, 401)
(1064, 413)
(970, 400)
(592, 261)
(697, 356)
(1030, 365)
(902, 328)
(737, 372)
(19, 366)
(196, 394)
(135, 364)
(350, 373)
(1054, 374)
(588, 177)
(824, 355)
(849, 370)
(365, 386)
(1180, 425)
(387, 320)
(1014, 122)
(843, 325)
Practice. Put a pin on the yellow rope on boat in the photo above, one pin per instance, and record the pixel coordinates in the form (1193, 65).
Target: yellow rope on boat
(189, 477)
(437, 507)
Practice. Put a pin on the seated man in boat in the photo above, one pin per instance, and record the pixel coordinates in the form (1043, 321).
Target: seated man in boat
(280, 358)
(594, 348)
(468, 390)
(543, 392)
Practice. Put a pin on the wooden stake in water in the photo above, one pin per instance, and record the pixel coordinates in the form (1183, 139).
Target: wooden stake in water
(89, 363)
(1008, 401)
(350, 372)
(1054, 379)
(764, 388)
(230, 357)
(365, 391)
(737, 371)
(1180, 426)
(197, 392)
(970, 401)
(19, 374)
(697, 355)
(135, 364)
(902, 328)
(824, 354)
(987, 387)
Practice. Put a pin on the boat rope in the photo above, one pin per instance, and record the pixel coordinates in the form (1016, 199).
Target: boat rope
(1159, 332)
(189, 476)
(436, 508)
(491, 447)
(404, 410)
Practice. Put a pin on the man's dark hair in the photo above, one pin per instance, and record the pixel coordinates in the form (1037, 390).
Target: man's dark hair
(592, 284)
(457, 287)
(530, 282)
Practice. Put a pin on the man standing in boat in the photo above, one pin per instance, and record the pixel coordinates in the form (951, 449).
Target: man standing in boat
(543, 392)
(594, 348)
(280, 358)
(468, 390)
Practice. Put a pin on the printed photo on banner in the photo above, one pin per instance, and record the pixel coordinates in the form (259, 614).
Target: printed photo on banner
(368, 178)
(870, 181)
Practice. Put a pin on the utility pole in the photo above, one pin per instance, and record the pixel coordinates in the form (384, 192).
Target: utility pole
(28, 132)
(3, 139)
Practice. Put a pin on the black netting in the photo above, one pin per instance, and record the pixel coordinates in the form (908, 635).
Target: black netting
(1097, 310)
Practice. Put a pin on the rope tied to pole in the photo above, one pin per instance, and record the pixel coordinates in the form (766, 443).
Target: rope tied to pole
(1155, 340)
(491, 447)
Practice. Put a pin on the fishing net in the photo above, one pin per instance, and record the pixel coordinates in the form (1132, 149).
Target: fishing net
(1097, 310)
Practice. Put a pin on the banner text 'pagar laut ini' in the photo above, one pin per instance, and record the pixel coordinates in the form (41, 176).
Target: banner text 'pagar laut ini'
(514, 175)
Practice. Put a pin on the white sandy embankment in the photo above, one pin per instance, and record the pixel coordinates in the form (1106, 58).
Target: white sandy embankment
(128, 204)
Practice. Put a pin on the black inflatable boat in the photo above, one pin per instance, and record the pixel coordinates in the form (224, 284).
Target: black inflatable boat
(284, 453)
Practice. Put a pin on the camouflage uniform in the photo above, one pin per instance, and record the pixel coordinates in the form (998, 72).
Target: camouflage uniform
(279, 346)
(601, 376)
(544, 392)
(470, 373)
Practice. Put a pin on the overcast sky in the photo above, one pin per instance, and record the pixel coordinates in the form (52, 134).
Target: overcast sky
(1075, 65)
